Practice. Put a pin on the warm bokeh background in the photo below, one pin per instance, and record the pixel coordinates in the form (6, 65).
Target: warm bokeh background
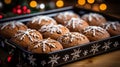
(10, 8)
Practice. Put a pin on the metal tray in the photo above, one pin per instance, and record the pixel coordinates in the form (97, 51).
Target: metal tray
(23, 57)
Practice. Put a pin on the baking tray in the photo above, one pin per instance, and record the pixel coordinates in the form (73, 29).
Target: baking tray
(23, 57)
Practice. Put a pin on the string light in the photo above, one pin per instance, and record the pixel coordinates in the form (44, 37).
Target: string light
(81, 2)
(103, 6)
(9, 58)
(91, 1)
(59, 3)
(33, 4)
(42, 6)
(7, 1)
(1, 16)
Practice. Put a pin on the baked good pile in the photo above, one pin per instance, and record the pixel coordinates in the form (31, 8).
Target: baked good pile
(44, 34)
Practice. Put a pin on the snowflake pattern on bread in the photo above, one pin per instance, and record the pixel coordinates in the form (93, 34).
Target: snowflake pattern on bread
(94, 29)
(75, 22)
(30, 33)
(41, 18)
(93, 15)
(111, 24)
(51, 28)
(12, 24)
(64, 15)
(69, 37)
(46, 42)
(45, 46)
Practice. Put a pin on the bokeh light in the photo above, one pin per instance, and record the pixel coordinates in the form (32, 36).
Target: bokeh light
(33, 4)
(81, 2)
(91, 1)
(103, 6)
(59, 3)
(42, 6)
(7, 1)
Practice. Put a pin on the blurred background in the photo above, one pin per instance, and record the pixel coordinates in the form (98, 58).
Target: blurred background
(11, 8)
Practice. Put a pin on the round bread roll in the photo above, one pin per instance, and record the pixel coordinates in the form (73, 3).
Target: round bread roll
(45, 46)
(53, 31)
(94, 19)
(113, 27)
(9, 29)
(64, 17)
(38, 21)
(72, 39)
(25, 38)
(95, 33)
(76, 25)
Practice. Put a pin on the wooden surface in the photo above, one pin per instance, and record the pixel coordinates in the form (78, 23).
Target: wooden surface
(111, 59)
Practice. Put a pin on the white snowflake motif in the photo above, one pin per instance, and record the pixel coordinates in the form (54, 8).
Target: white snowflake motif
(29, 33)
(43, 62)
(93, 30)
(66, 57)
(112, 24)
(94, 48)
(64, 15)
(44, 43)
(116, 44)
(74, 22)
(94, 15)
(12, 24)
(75, 54)
(85, 52)
(51, 28)
(32, 60)
(106, 45)
(40, 18)
(53, 60)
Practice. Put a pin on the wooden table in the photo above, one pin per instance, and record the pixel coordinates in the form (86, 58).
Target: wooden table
(111, 59)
